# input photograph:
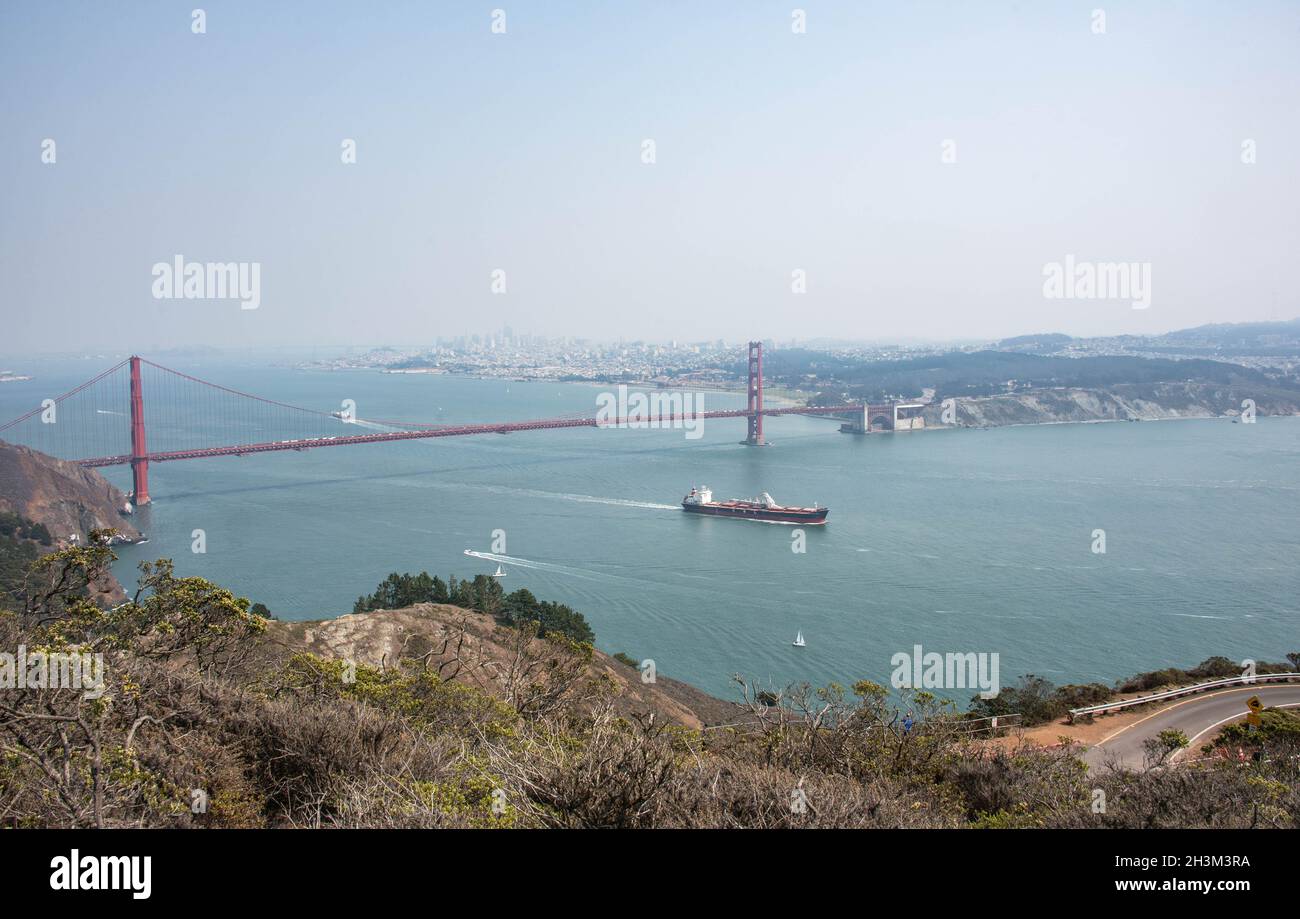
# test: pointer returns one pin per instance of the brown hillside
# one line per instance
(447, 633)
(67, 498)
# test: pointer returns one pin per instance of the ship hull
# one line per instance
(805, 516)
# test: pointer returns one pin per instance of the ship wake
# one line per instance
(535, 565)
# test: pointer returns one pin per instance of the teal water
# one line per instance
(954, 540)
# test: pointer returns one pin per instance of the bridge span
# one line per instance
(187, 408)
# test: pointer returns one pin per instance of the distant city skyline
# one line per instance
(482, 338)
(905, 174)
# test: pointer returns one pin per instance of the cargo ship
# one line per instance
(700, 501)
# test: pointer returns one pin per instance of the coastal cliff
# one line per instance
(1134, 402)
(67, 498)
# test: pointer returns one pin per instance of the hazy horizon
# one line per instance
(823, 152)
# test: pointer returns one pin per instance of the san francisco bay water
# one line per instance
(961, 540)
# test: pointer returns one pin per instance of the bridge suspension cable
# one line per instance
(139, 412)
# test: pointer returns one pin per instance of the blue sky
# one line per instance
(774, 152)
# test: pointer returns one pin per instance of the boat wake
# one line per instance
(529, 563)
(555, 495)
(593, 499)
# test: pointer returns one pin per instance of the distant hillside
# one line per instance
(985, 373)
(1122, 402)
(1235, 340)
(1048, 343)
(1225, 338)
(1241, 334)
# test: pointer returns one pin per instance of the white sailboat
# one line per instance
(798, 641)
(499, 573)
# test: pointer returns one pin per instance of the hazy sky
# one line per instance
(522, 151)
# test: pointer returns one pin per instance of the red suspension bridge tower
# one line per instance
(139, 453)
(755, 438)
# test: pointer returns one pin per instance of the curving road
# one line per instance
(1195, 716)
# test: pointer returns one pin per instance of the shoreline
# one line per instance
(789, 398)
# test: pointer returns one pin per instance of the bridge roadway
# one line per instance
(458, 431)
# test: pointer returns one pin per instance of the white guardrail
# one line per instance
(1107, 707)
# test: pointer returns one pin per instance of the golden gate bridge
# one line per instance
(138, 412)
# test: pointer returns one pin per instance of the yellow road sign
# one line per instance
(1254, 704)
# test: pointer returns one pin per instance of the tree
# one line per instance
(483, 593)
(1157, 750)
(1215, 668)
(544, 673)
(398, 591)
(521, 604)
(558, 617)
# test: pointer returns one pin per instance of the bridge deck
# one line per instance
(457, 431)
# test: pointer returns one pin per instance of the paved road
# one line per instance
(1195, 716)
